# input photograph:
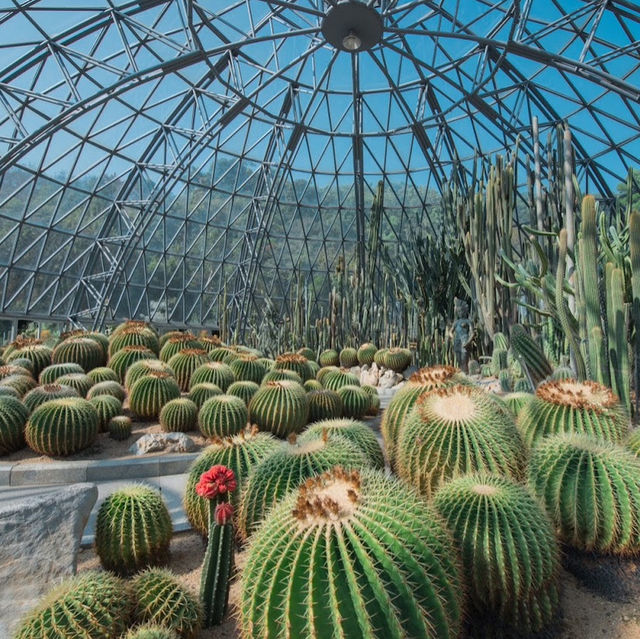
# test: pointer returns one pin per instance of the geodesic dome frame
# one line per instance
(171, 159)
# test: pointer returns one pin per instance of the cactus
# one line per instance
(485, 370)
(162, 340)
(177, 343)
(474, 367)
(161, 599)
(355, 401)
(134, 336)
(218, 354)
(500, 342)
(24, 363)
(280, 407)
(561, 372)
(324, 404)
(522, 386)
(22, 384)
(13, 417)
(41, 394)
(39, 354)
(348, 357)
(185, 362)
(267, 363)
(200, 393)
(142, 368)
(150, 631)
(97, 375)
(83, 351)
(244, 390)
(107, 388)
(632, 442)
(107, 407)
(329, 358)
(456, 430)
(151, 392)
(282, 376)
(119, 427)
(92, 604)
(241, 453)
(516, 401)
(568, 406)
(334, 380)
(324, 371)
(498, 361)
(248, 368)
(133, 530)
(216, 373)
(9, 370)
(81, 382)
(591, 489)
(62, 427)
(366, 354)
(8, 391)
(49, 374)
(618, 346)
(391, 567)
(308, 353)
(286, 469)
(504, 377)
(179, 416)
(356, 432)
(126, 357)
(510, 555)
(378, 358)
(531, 357)
(223, 416)
(396, 359)
(296, 363)
(312, 385)
(210, 343)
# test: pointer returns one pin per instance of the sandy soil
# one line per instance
(585, 615)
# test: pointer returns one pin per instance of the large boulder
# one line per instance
(40, 541)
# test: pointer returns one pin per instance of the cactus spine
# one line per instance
(355, 401)
(324, 404)
(185, 362)
(107, 388)
(13, 417)
(119, 427)
(280, 407)
(126, 357)
(179, 416)
(216, 373)
(97, 375)
(223, 416)
(83, 351)
(151, 392)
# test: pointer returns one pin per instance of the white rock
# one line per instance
(355, 370)
(369, 377)
(168, 442)
(389, 379)
(40, 541)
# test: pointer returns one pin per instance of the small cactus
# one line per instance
(281, 376)
(21, 383)
(49, 374)
(312, 385)
(366, 354)
(144, 367)
(355, 401)
(516, 401)
(119, 427)
(329, 358)
(98, 375)
(334, 380)
(39, 354)
(397, 359)
(185, 362)
(81, 382)
(223, 416)
(348, 357)
(13, 417)
(134, 336)
(294, 362)
(150, 393)
(280, 407)
(83, 351)
(41, 394)
(126, 357)
(151, 631)
(107, 407)
(175, 344)
(324, 404)
(248, 368)
(217, 373)
(307, 352)
(200, 393)
(378, 358)
(107, 388)
(244, 390)
(179, 416)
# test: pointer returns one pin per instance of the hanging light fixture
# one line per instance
(351, 42)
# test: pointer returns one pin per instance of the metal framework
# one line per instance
(171, 158)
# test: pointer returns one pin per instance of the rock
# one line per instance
(389, 379)
(167, 442)
(355, 370)
(40, 540)
(369, 376)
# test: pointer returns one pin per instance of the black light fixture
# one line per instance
(352, 26)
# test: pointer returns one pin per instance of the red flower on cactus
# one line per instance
(223, 513)
(218, 480)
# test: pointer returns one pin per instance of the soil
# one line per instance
(585, 614)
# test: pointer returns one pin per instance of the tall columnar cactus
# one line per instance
(324, 404)
(126, 357)
(531, 356)
(453, 431)
(634, 250)
(498, 361)
(177, 343)
(107, 407)
(107, 388)
(397, 359)
(217, 373)
(41, 394)
(392, 567)
(62, 427)
(356, 432)
(81, 382)
(185, 362)
(348, 357)
(144, 367)
(91, 604)
(119, 427)
(39, 354)
(161, 599)
(133, 530)
(248, 368)
(79, 350)
(618, 342)
(336, 379)
(509, 552)
(280, 407)
(329, 357)
(223, 416)
(355, 401)
(244, 390)
(151, 392)
(97, 375)
(568, 406)
(179, 416)
(591, 489)
(241, 453)
(286, 469)
(49, 374)
(216, 486)
(13, 417)
(366, 353)
(200, 393)
(134, 336)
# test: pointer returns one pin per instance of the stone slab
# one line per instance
(5, 474)
(51, 473)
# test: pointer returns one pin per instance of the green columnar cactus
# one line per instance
(223, 416)
(248, 368)
(517, 400)
(134, 336)
(39, 354)
(161, 599)
(83, 351)
(107, 388)
(498, 361)
(348, 357)
(107, 407)
(504, 377)
(119, 427)
(286, 469)
(13, 417)
(81, 382)
(312, 385)
(244, 390)
(151, 392)
(97, 375)
(294, 362)
(133, 530)
(531, 357)
(510, 555)
(282, 376)
(185, 362)
(175, 344)
(62, 427)
(217, 373)
(500, 342)
(474, 367)
(618, 346)
(241, 453)
(366, 353)
(355, 401)
(49, 374)
(334, 380)
(179, 416)
(91, 604)
(356, 432)
(324, 404)
(280, 407)
(591, 489)
(391, 566)
(151, 631)
(485, 370)
(144, 367)
(568, 406)
(329, 357)
(634, 250)
(396, 359)
(453, 431)
(126, 357)
(41, 394)
(200, 393)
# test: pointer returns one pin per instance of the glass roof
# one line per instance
(169, 159)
